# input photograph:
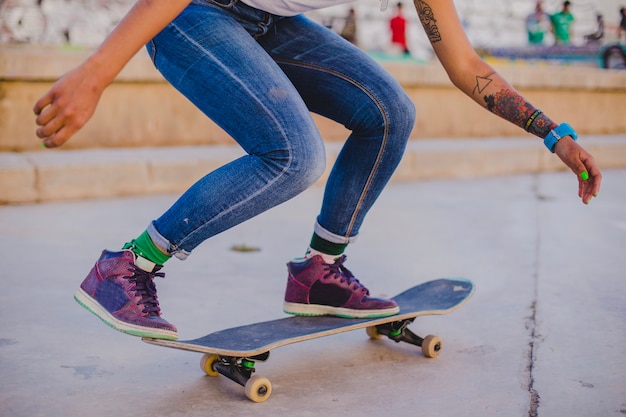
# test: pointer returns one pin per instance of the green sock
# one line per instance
(144, 246)
(324, 246)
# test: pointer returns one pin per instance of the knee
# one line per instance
(401, 115)
(300, 166)
(307, 167)
(390, 115)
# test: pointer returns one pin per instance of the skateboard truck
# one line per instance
(398, 331)
(239, 370)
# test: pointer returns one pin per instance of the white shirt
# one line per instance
(292, 7)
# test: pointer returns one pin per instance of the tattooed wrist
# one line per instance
(541, 125)
(513, 107)
(531, 119)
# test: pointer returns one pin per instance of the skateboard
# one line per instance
(233, 352)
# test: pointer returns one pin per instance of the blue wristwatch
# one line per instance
(557, 133)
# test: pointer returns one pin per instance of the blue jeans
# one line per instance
(258, 76)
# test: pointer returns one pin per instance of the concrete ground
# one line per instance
(544, 335)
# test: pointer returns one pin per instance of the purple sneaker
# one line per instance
(122, 294)
(315, 288)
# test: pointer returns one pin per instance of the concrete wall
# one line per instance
(140, 109)
(146, 138)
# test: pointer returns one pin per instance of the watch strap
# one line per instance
(552, 138)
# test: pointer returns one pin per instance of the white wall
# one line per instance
(489, 23)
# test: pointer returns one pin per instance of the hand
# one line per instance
(67, 106)
(72, 100)
(583, 165)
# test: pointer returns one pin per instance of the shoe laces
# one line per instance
(338, 270)
(144, 286)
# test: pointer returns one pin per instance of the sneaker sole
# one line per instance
(91, 305)
(313, 310)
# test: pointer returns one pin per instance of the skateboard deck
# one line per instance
(232, 352)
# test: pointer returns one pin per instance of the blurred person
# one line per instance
(349, 28)
(562, 25)
(537, 25)
(598, 34)
(622, 24)
(258, 69)
(397, 24)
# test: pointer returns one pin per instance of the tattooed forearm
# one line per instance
(428, 20)
(514, 108)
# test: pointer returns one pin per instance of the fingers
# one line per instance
(590, 188)
(55, 133)
(48, 121)
(51, 124)
(583, 165)
(45, 112)
(589, 178)
(55, 140)
(41, 104)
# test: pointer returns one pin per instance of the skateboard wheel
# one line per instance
(206, 364)
(258, 389)
(431, 346)
(372, 332)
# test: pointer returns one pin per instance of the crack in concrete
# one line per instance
(533, 410)
(534, 397)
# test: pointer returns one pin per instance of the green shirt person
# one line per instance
(562, 25)
(537, 24)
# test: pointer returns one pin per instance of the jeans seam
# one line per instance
(153, 52)
(385, 138)
(268, 184)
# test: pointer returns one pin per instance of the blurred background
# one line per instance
(42, 39)
(489, 23)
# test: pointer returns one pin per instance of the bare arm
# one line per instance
(470, 73)
(72, 100)
(485, 86)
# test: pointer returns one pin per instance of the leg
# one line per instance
(208, 54)
(339, 81)
(226, 74)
